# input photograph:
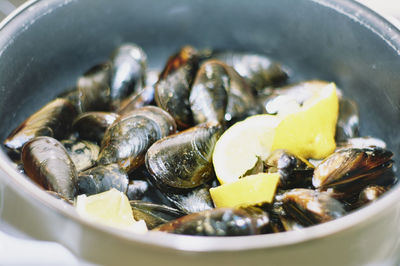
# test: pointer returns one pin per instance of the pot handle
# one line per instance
(6, 7)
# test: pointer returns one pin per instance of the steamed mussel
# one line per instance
(149, 137)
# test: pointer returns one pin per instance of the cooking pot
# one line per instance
(46, 45)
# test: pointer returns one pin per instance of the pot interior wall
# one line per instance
(45, 48)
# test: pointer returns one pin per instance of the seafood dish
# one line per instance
(214, 143)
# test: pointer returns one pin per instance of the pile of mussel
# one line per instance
(151, 134)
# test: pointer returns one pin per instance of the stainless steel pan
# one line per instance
(46, 44)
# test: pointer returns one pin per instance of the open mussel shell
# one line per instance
(209, 93)
(350, 170)
(309, 207)
(154, 214)
(214, 222)
(47, 163)
(102, 178)
(83, 153)
(294, 171)
(53, 120)
(183, 161)
(173, 87)
(94, 88)
(128, 138)
(258, 70)
(129, 64)
(92, 125)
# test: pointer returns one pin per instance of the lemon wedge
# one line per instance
(111, 208)
(309, 131)
(306, 130)
(240, 146)
(250, 190)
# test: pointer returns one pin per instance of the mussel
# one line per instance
(309, 207)
(209, 93)
(94, 88)
(294, 170)
(183, 161)
(128, 138)
(154, 214)
(102, 178)
(214, 222)
(348, 171)
(137, 189)
(142, 96)
(173, 87)
(129, 64)
(370, 194)
(47, 163)
(83, 153)
(92, 125)
(258, 70)
(194, 200)
(348, 125)
(53, 120)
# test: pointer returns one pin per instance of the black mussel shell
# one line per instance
(195, 200)
(102, 178)
(183, 161)
(209, 93)
(83, 153)
(92, 125)
(153, 214)
(258, 70)
(295, 172)
(173, 87)
(94, 89)
(137, 189)
(309, 207)
(214, 222)
(128, 138)
(350, 170)
(53, 120)
(129, 64)
(348, 125)
(47, 163)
